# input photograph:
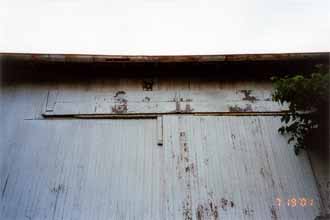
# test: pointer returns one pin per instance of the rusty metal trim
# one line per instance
(86, 58)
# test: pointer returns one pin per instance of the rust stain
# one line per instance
(236, 108)
(184, 148)
(89, 58)
(190, 168)
(119, 109)
(207, 211)
(248, 96)
(177, 106)
(248, 108)
(188, 108)
(233, 137)
(225, 203)
(121, 103)
(232, 204)
(184, 168)
(119, 94)
(199, 212)
(187, 213)
(273, 213)
(147, 84)
(180, 158)
(248, 212)
(214, 210)
(146, 99)
(58, 189)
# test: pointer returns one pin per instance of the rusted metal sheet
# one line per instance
(84, 58)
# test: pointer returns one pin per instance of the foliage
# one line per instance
(308, 100)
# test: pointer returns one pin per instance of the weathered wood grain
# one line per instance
(224, 167)
(238, 98)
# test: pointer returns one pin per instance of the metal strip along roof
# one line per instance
(85, 58)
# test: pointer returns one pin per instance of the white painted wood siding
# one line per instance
(209, 167)
(158, 98)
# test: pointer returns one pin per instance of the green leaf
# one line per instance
(308, 98)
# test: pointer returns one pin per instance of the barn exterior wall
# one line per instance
(215, 162)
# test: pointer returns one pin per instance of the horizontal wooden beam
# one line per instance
(156, 115)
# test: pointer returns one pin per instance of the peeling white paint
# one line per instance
(209, 167)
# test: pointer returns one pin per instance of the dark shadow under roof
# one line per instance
(235, 66)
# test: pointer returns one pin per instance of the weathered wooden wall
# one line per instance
(209, 166)
(157, 98)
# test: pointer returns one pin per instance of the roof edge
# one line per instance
(89, 58)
